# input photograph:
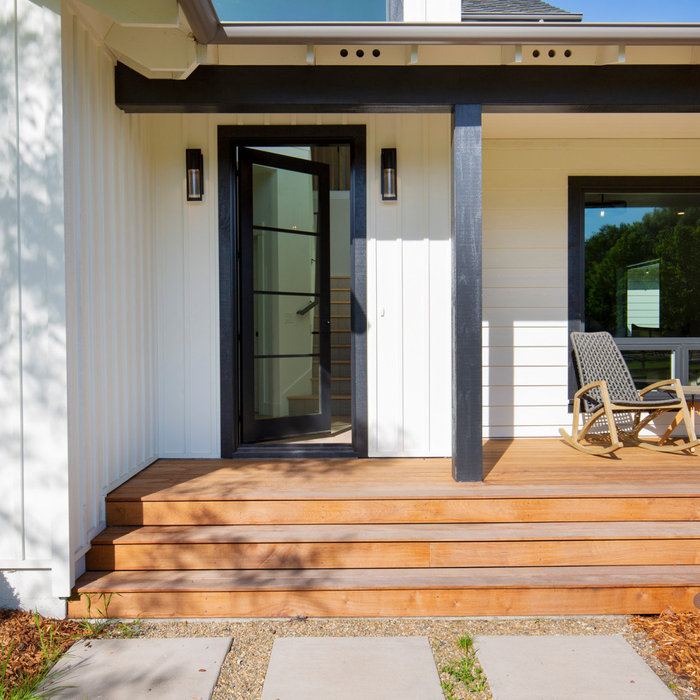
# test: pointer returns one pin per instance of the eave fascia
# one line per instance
(202, 18)
(520, 17)
(475, 33)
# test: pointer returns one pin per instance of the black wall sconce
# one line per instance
(195, 175)
(389, 190)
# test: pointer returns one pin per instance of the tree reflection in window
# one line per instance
(642, 264)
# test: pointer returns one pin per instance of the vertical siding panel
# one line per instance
(215, 399)
(168, 154)
(199, 301)
(72, 193)
(438, 201)
(99, 263)
(415, 233)
(82, 151)
(372, 356)
(389, 310)
(116, 448)
(11, 534)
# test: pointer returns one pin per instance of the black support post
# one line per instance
(466, 295)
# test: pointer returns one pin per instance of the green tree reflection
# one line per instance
(663, 235)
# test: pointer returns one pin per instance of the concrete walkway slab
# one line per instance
(558, 667)
(348, 668)
(115, 669)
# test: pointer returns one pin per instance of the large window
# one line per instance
(634, 270)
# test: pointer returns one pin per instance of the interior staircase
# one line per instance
(341, 381)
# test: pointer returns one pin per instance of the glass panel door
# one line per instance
(285, 295)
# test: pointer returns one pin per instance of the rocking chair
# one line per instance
(608, 391)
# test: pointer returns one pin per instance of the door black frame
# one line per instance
(229, 138)
(253, 429)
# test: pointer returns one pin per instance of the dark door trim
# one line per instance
(253, 429)
(230, 137)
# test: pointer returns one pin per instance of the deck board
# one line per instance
(385, 579)
(432, 532)
(512, 469)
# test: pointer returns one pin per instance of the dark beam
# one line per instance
(466, 295)
(390, 88)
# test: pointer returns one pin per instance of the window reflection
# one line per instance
(642, 264)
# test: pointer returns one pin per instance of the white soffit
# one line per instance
(138, 13)
(591, 126)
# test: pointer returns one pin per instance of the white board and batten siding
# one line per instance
(525, 262)
(34, 538)
(408, 286)
(110, 284)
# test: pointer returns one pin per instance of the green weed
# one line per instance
(465, 671)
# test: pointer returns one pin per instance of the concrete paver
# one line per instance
(115, 669)
(575, 668)
(348, 668)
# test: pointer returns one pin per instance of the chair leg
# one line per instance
(577, 435)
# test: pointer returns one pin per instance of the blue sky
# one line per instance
(633, 10)
(374, 10)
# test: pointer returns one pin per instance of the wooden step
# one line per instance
(392, 592)
(388, 546)
(203, 509)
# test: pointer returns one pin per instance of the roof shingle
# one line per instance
(511, 7)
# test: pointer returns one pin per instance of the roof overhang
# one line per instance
(475, 34)
(208, 29)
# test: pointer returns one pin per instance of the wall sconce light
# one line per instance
(195, 175)
(389, 191)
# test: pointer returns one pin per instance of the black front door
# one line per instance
(285, 295)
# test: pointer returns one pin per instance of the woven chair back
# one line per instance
(597, 358)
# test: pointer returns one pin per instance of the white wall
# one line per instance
(33, 452)
(432, 10)
(408, 286)
(525, 257)
(110, 293)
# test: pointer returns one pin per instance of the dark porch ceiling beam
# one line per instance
(673, 88)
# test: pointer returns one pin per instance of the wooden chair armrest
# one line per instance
(585, 389)
(673, 384)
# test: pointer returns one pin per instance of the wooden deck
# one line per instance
(550, 530)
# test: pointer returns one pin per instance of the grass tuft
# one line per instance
(466, 671)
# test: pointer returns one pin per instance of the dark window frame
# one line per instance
(578, 186)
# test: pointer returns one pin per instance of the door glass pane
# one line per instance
(694, 367)
(642, 251)
(278, 327)
(286, 386)
(648, 366)
(284, 262)
(284, 199)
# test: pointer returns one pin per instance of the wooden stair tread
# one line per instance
(389, 579)
(461, 532)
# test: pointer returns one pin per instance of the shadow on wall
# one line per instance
(9, 598)
(32, 282)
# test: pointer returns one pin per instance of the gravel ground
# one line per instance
(244, 670)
